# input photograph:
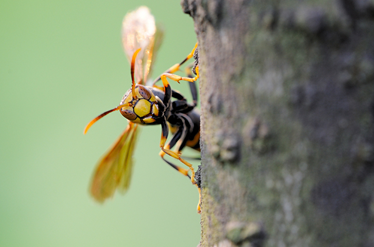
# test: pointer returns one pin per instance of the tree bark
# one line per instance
(287, 92)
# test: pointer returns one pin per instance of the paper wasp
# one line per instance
(147, 105)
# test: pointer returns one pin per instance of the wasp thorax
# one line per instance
(142, 108)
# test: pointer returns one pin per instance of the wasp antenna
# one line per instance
(97, 118)
(102, 115)
(132, 72)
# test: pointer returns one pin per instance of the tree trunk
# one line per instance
(287, 136)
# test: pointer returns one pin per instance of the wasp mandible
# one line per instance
(147, 105)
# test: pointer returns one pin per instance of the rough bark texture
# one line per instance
(287, 92)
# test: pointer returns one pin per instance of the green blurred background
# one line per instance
(61, 64)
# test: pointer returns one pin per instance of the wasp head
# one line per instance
(139, 104)
(140, 108)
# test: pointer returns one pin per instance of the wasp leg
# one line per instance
(178, 78)
(167, 89)
(170, 145)
(181, 144)
(177, 95)
(171, 153)
(180, 140)
(167, 92)
(179, 169)
(191, 158)
(181, 98)
(176, 67)
(187, 126)
(193, 92)
(199, 203)
(181, 106)
(180, 103)
(192, 85)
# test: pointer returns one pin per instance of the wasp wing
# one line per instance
(115, 168)
(139, 31)
(152, 51)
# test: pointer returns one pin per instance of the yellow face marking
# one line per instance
(142, 108)
(155, 109)
(137, 121)
(148, 120)
(127, 97)
(153, 98)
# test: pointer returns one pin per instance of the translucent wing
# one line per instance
(139, 31)
(115, 168)
(159, 36)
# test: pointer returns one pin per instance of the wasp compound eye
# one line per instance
(127, 113)
(144, 93)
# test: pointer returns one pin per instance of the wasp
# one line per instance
(147, 105)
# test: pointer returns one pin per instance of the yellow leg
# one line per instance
(176, 155)
(179, 169)
(198, 205)
(184, 172)
(176, 67)
(178, 78)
